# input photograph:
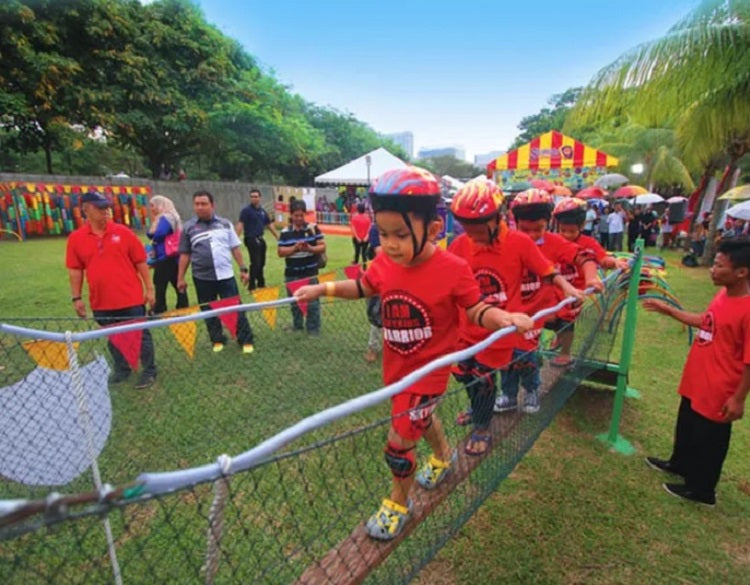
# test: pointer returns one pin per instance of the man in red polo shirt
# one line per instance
(113, 261)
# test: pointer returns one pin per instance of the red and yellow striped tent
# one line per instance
(552, 150)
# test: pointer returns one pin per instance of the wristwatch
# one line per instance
(243, 269)
(74, 299)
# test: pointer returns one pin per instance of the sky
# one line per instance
(452, 73)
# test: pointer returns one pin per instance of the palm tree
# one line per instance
(695, 79)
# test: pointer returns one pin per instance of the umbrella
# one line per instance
(648, 198)
(561, 191)
(611, 180)
(677, 199)
(592, 192)
(740, 211)
(543, 184)
(738, 193)
(629, 191)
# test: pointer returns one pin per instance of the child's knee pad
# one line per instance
(402, 461)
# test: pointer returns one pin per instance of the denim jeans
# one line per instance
(523, 370)
(313, 310)
(121, 365)
(209, 290)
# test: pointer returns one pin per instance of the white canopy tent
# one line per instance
(362, 170)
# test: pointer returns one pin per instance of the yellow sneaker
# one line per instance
(248, 348)
(434, 471)
(389, 521)
(218, 347)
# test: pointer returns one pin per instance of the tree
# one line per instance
(548, 118)
(450, 165)
(695, 79)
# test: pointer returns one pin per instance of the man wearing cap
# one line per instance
(113, 261)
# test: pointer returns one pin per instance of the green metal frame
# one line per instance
(613, 438)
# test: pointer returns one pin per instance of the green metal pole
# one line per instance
(619, 443)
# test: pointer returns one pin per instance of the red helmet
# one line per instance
(570, 210)
(532, 204)
(477, 201)
(406, 189)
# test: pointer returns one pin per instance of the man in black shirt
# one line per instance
(300, 244)
(253, 220)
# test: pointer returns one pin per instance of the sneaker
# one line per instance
(664, 465)
(248, 348)
(682, 491)
(434, 471)
(531, 403)
(218, 347)
(389, 521)
(505, 403)
(145, 382)
(118, 377)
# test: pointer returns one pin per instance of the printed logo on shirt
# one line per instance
(706, 331)
(533, 334)
(492, 287)
(530, 285)
(115, 238)
(406, 322)
(567, 271)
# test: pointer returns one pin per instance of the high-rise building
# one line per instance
(482, 160)
(454, 151)
(405, 140)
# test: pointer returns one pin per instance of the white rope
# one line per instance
(216, 519)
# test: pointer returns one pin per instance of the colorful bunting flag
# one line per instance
(229, 319)
(129, 344)
(353, 271)
(185, 333)
(263, 295)
(52, 355)
(293, 286)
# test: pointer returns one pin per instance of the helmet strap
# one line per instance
(417, 249)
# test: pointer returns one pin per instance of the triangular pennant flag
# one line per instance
(229, 319)
(353, 271)
(185, 333)
(327, 277)
(263, 295)
(49, 354)
(293, 286)
(129, 344)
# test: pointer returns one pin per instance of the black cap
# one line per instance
(97, 199)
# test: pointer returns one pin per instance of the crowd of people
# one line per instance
(424, 302)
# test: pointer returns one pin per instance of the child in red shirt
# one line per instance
(716, 377)
(532, 210)
(498, 258)
(423, 291)
(570, 215)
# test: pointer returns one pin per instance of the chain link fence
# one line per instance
(289, 511)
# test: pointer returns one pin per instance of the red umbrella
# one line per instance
(629, 191)
(543, 184)
(561, 191)
(592, 192)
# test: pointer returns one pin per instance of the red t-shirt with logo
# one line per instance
(360, 225)
(109, 264)
(720, 352)
(572, 272)
(498, 270)
(420, 307)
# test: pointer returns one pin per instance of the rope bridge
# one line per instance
(76, 507)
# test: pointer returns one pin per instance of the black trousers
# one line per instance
(209, 290)
(700, 447)
(165, 273)
(121, 365)
(359, 248)
(256, 248)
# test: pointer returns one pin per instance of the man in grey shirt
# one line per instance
(209, 242)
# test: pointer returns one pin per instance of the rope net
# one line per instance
(76, 507)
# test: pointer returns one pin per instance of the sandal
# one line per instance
(483, 438)
(464, 418)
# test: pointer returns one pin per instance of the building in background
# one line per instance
(482, 160)
(405, 140)
(454, 151)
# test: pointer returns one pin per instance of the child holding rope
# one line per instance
(715, 380)
(423, 290)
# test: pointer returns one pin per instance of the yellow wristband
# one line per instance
(330, 289)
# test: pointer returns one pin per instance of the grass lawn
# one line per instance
(571, 512)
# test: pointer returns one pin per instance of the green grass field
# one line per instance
(571, 512)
